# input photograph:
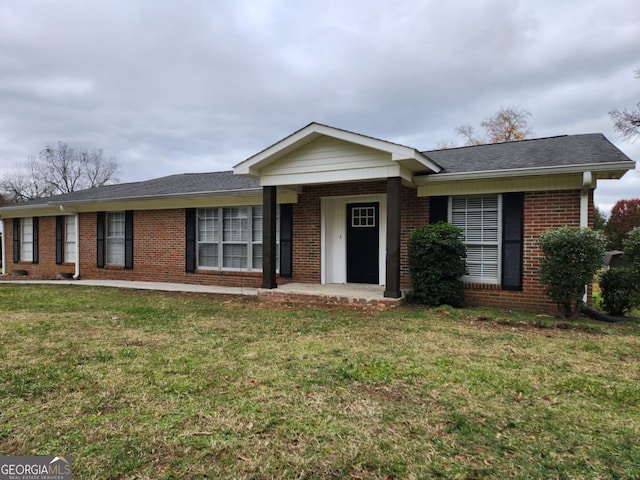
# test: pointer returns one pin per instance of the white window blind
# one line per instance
(26, 240)
(479, 218)
(115, 238)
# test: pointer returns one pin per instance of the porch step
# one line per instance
(364, 296)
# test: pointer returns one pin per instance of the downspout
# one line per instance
(76, 275)
(584, 211)
(4, 262)
(584, 199)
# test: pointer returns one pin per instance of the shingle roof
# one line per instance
(541, 152)
(181, 184)
(536, 153)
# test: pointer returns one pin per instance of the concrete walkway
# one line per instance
(304, 293)
(161, 286)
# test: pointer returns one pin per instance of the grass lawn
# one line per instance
(137, 385)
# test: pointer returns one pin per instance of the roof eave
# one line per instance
(617, 168)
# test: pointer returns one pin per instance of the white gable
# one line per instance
(322, 154)
(327, 159)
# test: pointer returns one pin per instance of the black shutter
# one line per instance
(100, 237)
(128, 239)
(36, 241)
(438, 209)
(512, 240)
(190, 239)
(286, 240)
(60, 239)
(16, 240)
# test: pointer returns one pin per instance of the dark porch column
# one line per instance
(269, 237)
(394, 212)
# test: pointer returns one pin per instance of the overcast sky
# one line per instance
(192, 85)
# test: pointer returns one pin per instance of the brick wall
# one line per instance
(542, 210)
(158, 253)
(159, 244)
(46, 268)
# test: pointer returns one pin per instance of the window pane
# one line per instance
(115, 251)
(208, 255)
(256, 232)
(208, 225)
(236, 224)
(257, 256)
(235, 256)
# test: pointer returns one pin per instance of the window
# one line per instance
(363, 217)
(115, 238)
(230, 238)
(208, 237)
(479, 218)
(69, 239)
(26, 240)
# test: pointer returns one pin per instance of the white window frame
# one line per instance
(115, 239)
(70, 250)
(482, 242)
(247, 234)
(26, 239)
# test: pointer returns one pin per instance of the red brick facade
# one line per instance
(159, 244)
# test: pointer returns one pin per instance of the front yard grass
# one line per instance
(137, 384)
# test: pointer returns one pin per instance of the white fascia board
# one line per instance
(66, 207)
(40, 210)
(399, 153)
(521, 172)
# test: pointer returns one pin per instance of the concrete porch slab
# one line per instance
(354, 294)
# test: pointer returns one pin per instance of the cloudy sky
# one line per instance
(194, 85)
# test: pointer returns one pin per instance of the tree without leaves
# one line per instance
(506, 125)
(627, 122)
(57, 170)
(625, 216)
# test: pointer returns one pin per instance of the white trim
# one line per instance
(527, 171)
(4, 250)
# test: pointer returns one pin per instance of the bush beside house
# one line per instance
(436, 262)
(571, 258)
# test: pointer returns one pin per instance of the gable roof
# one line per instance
(562, 154)
(540, 153)
(410, 157)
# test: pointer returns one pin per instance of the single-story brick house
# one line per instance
(323, 206)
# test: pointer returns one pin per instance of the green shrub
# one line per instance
(620, 294)
(621, 286)
(631, 246)
(571, 257)
(436, 263)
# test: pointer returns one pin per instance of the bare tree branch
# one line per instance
(507, 125)
(56, 170)
(627, 122)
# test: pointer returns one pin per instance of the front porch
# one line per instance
(354, 294)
